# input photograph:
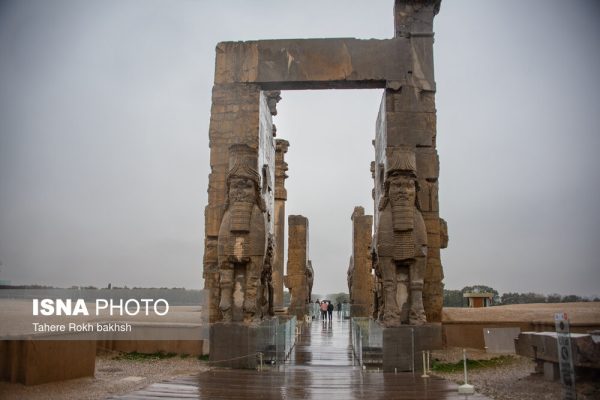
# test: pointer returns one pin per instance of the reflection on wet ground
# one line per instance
(321, 367)
(324, 343)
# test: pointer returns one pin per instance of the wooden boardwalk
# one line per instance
(321, 367)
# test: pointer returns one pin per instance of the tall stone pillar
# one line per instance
(296, 278)
(240, 115)
(360, 279)
(415, 20)
(226, 115)
(281, 147)
(407, 122)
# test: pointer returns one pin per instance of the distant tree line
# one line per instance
(339, 297)
(335, 298)
(525, 298)
(455, 298)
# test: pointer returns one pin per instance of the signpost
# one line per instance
(565, 360)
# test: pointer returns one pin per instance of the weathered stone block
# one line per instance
(543, 346)
(410, 99)
(294, 281)
(414, 16)
(432, 222)
(410, 129)
(212, 217)
(314, 63)
(210, 250)
(428, 196)
(434, 270)
(414, 20)
(428, 163)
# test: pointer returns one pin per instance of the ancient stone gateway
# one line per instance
(244, 220)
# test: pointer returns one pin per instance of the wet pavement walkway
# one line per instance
(320, 367)
(323, 343)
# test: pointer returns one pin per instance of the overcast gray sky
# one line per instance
(104, 114)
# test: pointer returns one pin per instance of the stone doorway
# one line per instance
(245, 215)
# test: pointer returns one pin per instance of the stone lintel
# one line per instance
(315, 63)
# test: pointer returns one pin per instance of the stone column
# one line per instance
(415, 20)
(281, 147)
(361, 295)
(296, 279)
(239, 115)
(407, 118)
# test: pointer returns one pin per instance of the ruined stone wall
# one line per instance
(361, 294)
(296, 278)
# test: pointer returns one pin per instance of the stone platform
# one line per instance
(542, 347)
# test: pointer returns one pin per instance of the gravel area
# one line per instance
(512, 380)
(113, 377)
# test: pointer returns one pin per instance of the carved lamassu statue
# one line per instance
(401, 242)
(243, 241)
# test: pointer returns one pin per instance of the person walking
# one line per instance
(338, 307)
(323, 310)
(330, 311)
